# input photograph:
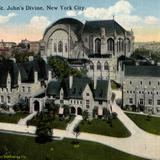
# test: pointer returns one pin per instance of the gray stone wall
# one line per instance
(142, 92)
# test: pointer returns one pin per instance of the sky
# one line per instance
(142, 16)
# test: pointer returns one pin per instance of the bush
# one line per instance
(114, 115)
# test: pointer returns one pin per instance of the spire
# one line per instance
(113, 17)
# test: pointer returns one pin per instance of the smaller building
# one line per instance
(8, 45)
(81, 94)
(22, 80)
(141, 88)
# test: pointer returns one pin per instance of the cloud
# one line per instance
(32, 30)
(151, 20)
(39, 22)
(122, 7)
(5, 19)
(121, 10)
(71, 13)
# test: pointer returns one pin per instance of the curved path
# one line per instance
(140, 143)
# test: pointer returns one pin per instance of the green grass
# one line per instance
(99, 126)
(152, 125)
(11, 118)
(62, 150)
(53, 122)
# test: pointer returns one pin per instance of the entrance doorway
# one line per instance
(36, 106)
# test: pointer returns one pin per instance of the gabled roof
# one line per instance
(101, 91)
(142, 71)
(53, 88)
(111, 26)
(78, 86)
(26, 71)
(28, 68)
(11, 68)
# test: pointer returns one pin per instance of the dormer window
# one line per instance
(29, 89)
(87, 94)
(23, 89)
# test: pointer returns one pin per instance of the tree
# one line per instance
(85, 115)
(76, 132)
(62, 68)
(148, 118)
(66, 110)
(4, 107)
(106, 113)
(43, 132)
(21, 55)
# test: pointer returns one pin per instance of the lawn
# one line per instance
(12, 118)
(54, 122)
(60, 150)
(152, 125)
(99, 126)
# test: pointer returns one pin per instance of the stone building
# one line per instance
(22, 80)
(8, 45)
(141, 88)
(81, 94)
(101, 42)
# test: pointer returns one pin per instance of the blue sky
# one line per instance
(143, 16)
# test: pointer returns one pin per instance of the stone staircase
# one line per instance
(24, 120)
(74, 123)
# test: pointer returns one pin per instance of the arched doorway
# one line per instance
(73, 110)
(36, 106)
(79, 111)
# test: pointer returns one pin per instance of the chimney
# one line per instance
(95, 82)
(35, 77)
(70, 81)
(30, 58)
(49, 75)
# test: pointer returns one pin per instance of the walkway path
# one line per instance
(140, 143)
(24, 120)
(74, 123)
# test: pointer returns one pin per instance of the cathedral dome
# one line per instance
(75, 25)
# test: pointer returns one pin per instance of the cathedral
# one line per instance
(100, 43)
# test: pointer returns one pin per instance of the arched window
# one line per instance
(66, 47)
(55, 47)
(60, 46)
(110, 44)
(98, 66)
(97, 46)
(128, 45)
(120, 45)
(2, 99)
(9, 99)
(106, 67)
(91, 66)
